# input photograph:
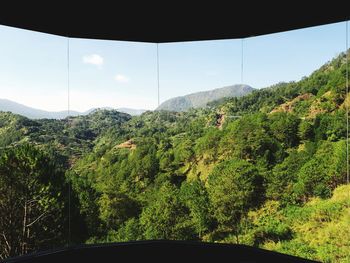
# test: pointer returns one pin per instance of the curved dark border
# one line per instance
(145, 21)
(158, 251)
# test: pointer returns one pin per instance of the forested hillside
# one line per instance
(267, 169)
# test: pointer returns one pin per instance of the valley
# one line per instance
(273, 178)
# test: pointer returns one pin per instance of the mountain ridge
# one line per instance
(33, 113)
(202, 98)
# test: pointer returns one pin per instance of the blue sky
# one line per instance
(33, 66)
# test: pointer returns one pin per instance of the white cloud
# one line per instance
(93, 59)
(121, 78)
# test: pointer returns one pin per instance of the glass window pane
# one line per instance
(247, 146)
(33, 98)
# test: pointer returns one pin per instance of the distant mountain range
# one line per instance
(183, 103)
(201, 99)
(32, 113)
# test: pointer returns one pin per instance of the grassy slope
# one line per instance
(321, 229)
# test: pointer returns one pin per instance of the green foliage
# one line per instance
(208, 144)
(129, 231)
(257, 179)
(249, 138)
(144, 162)
(305, 130)
(281, 180)
(183, 152)
(116, 208)
(284, 128)
(235, 186)
(321, 174)
(269, 224)
(195, 196)
(319, 229)
(166, 218)
(331, 127)
(32, 201)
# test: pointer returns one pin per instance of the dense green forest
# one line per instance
(267, 170)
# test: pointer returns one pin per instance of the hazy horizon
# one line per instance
(72, 110)
(120, 74)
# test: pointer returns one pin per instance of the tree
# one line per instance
(284, 127)
(248, 138)
(131, 230)
(116, 208)
(305, 130)
(234, 186)
(324, 172)
(283, 176)
(208, 143)
(195, 197)
(166, 217)
(183, 152)
(144, 163)
(269, 223)
(32, 202)
(331, 127)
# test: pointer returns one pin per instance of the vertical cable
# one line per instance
(242, 60)
(241, 153)
(68, 104)
(68, 78)
(347, 102)
(158, 73)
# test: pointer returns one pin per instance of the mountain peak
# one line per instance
(202, 98)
